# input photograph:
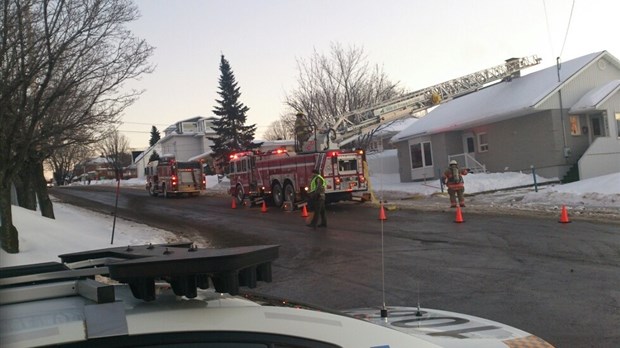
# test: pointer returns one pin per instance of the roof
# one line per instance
(200, 156)
(395, 126)
(507, 99)
(593, 99)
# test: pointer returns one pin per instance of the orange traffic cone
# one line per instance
(264, 208)
(304, 212)
(459, 215)
(564, 216)
(234, 204)
(382, 213)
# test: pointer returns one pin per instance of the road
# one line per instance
(558, 281)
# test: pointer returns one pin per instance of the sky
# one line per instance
(416, 43)
(42, 239)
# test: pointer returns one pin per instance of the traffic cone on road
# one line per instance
(459, 215)
(264, 208)
(234, 204)
(564, 216)
(382, 213)
(304, 212)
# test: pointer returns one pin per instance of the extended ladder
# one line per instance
(358, 121)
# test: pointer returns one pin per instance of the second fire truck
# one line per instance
(170, 177)
(281, 176)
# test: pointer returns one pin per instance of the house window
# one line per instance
(421, 155)
(483, 142)
(575, 128)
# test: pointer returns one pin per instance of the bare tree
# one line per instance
(334, 84)
(281, 129)
(63, 160)
(62, 67)
(115, 149)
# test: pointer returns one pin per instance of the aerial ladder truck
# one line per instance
(282, 177)
(336, 134)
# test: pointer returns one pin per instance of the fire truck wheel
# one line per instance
(239, 194)
(152, 191)
(277, 195)
(289, 192)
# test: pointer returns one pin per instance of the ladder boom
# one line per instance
(354, 122)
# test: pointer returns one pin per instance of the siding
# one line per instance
(587, 79)
(517, 144)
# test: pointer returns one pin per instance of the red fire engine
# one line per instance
(169, 177)
(282, 176)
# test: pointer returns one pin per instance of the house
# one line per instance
(187, 140)
(552, 120)
(99, 168)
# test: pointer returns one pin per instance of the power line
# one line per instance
(146, 124)
(130, 131)
(567, 27)
(548, 29)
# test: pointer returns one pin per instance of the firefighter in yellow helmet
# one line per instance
(453, 179)
(302, 131)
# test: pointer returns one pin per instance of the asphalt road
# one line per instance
(558, 281)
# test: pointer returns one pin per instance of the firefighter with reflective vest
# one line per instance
(317, 197)
(453, 179)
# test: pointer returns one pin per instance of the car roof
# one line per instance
(169, 294)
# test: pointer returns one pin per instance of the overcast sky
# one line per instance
(418, 43)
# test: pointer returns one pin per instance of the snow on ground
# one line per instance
(42, 239)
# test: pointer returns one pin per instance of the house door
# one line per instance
(468, 144)
(596, 124)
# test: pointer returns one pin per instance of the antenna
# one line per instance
(384, 312)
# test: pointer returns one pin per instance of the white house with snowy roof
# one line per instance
(564, 117)
(187, 140)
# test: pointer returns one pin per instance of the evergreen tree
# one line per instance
(154, 136)
(232, 133)
(154, 156)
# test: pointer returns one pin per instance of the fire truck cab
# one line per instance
(280, 176)
(169, 177)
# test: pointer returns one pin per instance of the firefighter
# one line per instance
(317, 196)
(302, 133)
(453, 179)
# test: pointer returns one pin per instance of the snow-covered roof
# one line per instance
(591, 100)
(396, 126)
(201, 156)
(507, 99)
(283, 142)
(99, 160)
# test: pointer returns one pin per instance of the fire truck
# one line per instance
(280, 176)
(283, 176)
(170, 177)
